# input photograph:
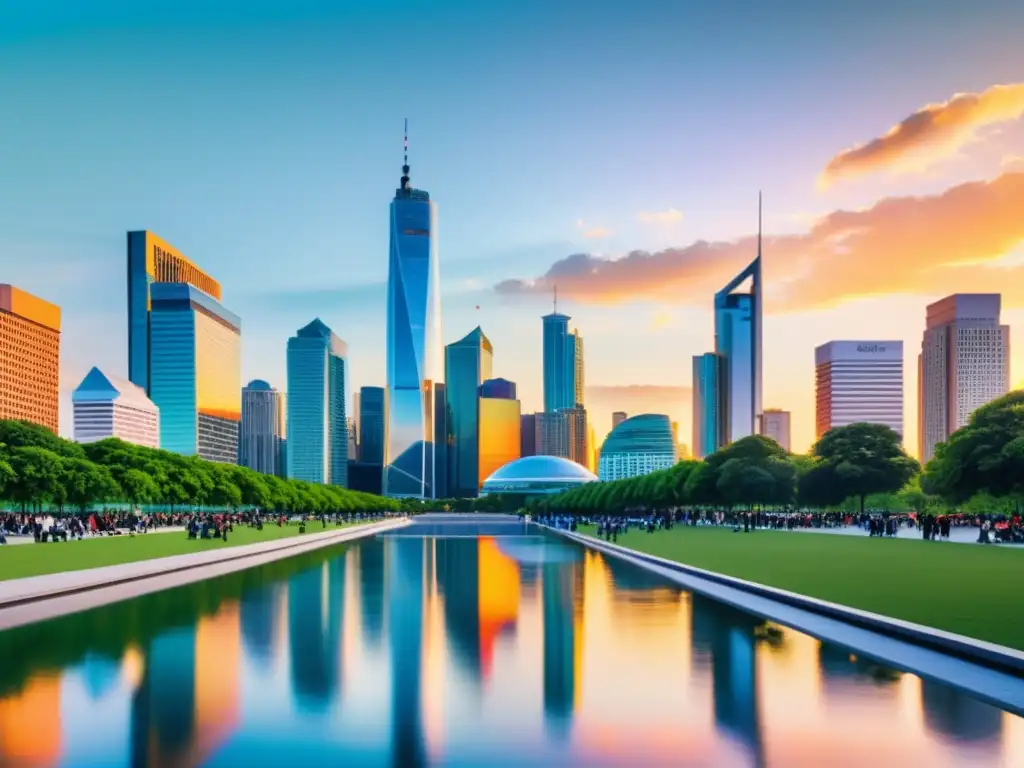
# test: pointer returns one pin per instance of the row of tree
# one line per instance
(979, 469)
(41, 470)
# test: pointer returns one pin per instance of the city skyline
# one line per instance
(643, 184)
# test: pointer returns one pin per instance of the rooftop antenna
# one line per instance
(759, 224)
(405, 157)
(556, 299)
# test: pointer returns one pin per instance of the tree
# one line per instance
(86, 483)
(857, 460)
(37, 473)
(138, 487)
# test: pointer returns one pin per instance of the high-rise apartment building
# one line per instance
(964, 364)
(261, 444)
(468, 363)
(708, 421)
(153, 260)
(528, 434)
(29, 358)
(775, 423)
(858, 381)
(738, 344)
(499, 422)
(618, 417)
(372, 417)
(414, 344)
(578, 375)
(195, 372)
(107, 406)
(317, 422)
(563, 433)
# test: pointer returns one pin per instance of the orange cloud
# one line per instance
(929, 135)
(661, 217)
(597, 233)
(917, 245)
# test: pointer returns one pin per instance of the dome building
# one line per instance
(638, 446)
(537, 476)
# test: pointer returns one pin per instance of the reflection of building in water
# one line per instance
(498, 592)
(950, 713)
(458, 563)
(371, 590)
(259, 612)
(315, 605)
(559, 591)
(30, 724)
(840, 668)
(727, 635)
(405, 634)
(186, 704)
(100, 674)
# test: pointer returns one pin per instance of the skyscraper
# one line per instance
(576, 355)
(559, 362)
(372, 416)
(317, 423)
(195, 372)
(154, 260)
(708, 423)
(29, 358)
(499, 417)
(467, 365)
(528, 434)
(775, 423)
(738, 343)
(413, 343)
(106, 406)
(964, 364)
(563, 433)
(858, 381)
(617, 418)
(261, 446)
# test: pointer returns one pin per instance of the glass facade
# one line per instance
(638, 446)
(372, 414)
(317, 424)
(153, 260)
(502, 388)
(499, 436)
(414, 345)
(707, 404)
(537, 476)
(559, 363)
(738, 343)
(261, 445)
(195, 372)
(467, 365)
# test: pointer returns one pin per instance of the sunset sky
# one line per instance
(614, 148)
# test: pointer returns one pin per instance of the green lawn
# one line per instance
(18, 561)
(976, 591)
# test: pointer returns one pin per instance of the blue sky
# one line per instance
(264, 141)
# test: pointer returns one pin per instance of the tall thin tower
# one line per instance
(414, 342)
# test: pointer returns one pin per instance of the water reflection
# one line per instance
(420, 651)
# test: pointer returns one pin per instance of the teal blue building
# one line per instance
(467, 364)
(709, 428)
(317, 386)
(638, 446)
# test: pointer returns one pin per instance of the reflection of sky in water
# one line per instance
(469, 652)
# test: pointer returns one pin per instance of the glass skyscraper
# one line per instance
(154, 260)
(317, 423)
(261, 446)
(195, 372)
(414, 344)
(559, 363)
(499, 424)
(372, 413)
(738, 343)
(707, 404)
(467, 365)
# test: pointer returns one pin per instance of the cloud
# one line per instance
(660, 217)
(915, 245)
(929, 135)
(1012, 162)
(597, 233)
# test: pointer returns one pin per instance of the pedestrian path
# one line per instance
(27, 539)
(957, 535)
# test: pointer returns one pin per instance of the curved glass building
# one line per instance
(537, 476)
(414, 345)
(638, 446)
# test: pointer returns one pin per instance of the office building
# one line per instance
(195, 372)
(562, 433)
(618, 417)
(372, 417)
(414, 344)
(708, 423)
(858, 381)
(638, 446)
(467, 364)
(442, 441)
(528, 434)
(775, 424)
(317, 422)
(499, 438)
(107, 406)
(29, 358)
(261, 445)
(738, 344)
(964, 364)
(152, 260)
(576, 356)
(559, 363)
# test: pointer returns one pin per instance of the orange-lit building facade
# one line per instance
(153, 260)
(499, 435)
(29, 358)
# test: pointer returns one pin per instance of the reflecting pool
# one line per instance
(466, 651)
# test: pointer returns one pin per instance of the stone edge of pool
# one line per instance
(40, 598)
(976, 651)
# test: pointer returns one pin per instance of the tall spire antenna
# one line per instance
(759, 224)
(556, 299)
(405, 157)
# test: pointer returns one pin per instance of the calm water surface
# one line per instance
(467, 651)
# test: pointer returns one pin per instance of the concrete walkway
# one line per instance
(964, 535)
(27, 539)
(38, 598)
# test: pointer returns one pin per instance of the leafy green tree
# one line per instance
(138, 487)
(86, 483)
(37, 472)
